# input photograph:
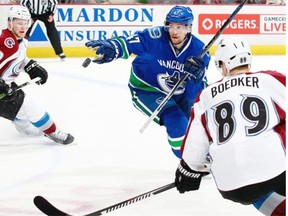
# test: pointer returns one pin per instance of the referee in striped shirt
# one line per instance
(44, 10)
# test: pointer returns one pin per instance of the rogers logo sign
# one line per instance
(241, 24)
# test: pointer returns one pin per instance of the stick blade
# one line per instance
(47, 208)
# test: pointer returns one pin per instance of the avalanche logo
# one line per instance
(16, 69)
(9, 42)
(37, 34)
(167, 82)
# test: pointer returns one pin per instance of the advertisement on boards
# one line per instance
(79, 24)
(250, 24)
(264, 28)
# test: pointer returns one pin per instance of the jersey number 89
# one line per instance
(253, 109)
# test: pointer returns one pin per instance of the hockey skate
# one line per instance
(26, 127)
(62, 56)
(59, 136)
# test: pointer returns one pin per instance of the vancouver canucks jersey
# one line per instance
(158, 65)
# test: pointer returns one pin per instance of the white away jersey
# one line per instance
(243, 118)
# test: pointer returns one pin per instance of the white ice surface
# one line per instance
(112, 161)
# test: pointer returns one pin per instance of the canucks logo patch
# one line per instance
(167, 82)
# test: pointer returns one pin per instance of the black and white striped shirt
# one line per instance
(40, 6)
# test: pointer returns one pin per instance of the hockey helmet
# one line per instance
(179, 14)
(234, 51)
(19, 12)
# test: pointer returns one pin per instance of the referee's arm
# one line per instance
(25, 3)
(35, 6)
(53, 6)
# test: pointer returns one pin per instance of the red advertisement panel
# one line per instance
(241, 24)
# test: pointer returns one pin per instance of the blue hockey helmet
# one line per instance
(179, 14)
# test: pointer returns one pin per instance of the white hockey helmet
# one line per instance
(19, 12)
(234, 51)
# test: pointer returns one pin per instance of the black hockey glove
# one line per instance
(35, 70)
(195, 67)
(106, 50)
(187, 179)
(4, 88)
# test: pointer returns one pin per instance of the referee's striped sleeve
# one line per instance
(24, 3)
(53, 6)
(39, 7)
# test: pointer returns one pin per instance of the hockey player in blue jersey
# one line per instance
(163, 55)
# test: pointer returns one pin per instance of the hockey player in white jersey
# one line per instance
(240, 121)
(27, 115)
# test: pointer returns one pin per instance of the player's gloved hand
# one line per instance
(187, 179)
(35, 70)
(106, 50)
(195, 67)
(4, 88)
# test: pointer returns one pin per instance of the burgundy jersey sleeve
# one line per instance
(8, 47)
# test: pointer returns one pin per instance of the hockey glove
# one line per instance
(106, 50)
(187, 179)
(4, 88)
(35, 70)
(195, 67)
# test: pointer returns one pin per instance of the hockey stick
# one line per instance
(180, 81)
(13, 90)
(47, 208)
